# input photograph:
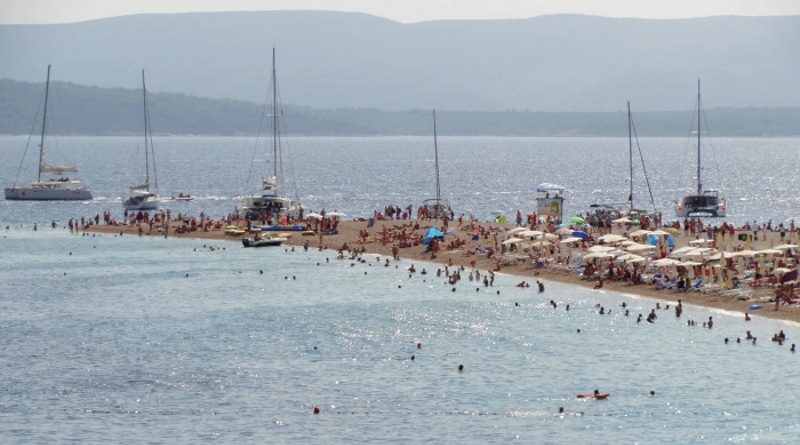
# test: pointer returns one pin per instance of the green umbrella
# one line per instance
(576, 220)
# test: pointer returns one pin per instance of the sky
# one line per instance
(404, 11)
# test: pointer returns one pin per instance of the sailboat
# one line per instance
(140, 197)
(633, 211)
(437, 207)
(59, 188)
(268, 199)
(616, 210)
(704, 202)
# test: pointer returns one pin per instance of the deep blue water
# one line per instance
(108, 339)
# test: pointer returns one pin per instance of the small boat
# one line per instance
(592, 395)
(140, 196)
(265, 239)
(704, 202)
(182, 197)
(59, 188)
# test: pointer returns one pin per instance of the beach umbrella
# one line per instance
(786, 246)
(335, 213)
(779, 271)
(745, 253)
(622, 220)
(681, 250)
(512, 241)
(580, 234)
(638, 247)
(571, 239)
(577, 220)
(699, 241)
(431, 234)
(672, 231)
(314, 215)
(640, 233)
(660, 233)
(666, 262)
(769, 252)
(601, 249)
(529, 233)
(612, 238)
(564, 231)
(516, 230)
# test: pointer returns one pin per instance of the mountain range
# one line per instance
(335, 60)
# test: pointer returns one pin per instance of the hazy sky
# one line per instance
(62, 11)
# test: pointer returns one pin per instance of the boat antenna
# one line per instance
(699, 182)
(44, 120)
(436, 160)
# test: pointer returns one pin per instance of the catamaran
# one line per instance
(59, 188)
(268, 199)
(704, 202)
(140, 196)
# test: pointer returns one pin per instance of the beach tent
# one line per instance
(432, 233)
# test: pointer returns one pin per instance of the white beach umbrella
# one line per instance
(516, 230)
(666, 262)
(699, 241)
(529, 233)
(681, 250)
(622, 220)
(640, 232)
(571, 239)
(600, 249)
(639, 247)
(660, 233)
(314, 215)
(745, 253)
(612, 238)
(769, 252)
(787, 246)
(334, 213)
(512, 241)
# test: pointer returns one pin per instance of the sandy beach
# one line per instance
(460, 248)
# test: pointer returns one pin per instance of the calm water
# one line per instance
(106, 339)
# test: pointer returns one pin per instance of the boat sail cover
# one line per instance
(47, 168)
(141, 187)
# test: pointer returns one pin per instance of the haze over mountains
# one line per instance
(329, 60)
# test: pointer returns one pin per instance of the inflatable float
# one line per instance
(591, 395)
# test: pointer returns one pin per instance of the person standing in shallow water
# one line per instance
(541, 285)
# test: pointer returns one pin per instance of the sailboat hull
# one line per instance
(701, 205)
(142, 202)
(48, 191)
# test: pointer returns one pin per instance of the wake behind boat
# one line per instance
(140, 196)
(704, 202)
(59, 188)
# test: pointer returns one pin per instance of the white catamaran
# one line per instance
(141, 197)
(704, 202)
(59, 188)
(268, 199)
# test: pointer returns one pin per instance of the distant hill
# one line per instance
(82, 110)
(329, 60)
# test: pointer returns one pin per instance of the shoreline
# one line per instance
(350, 236)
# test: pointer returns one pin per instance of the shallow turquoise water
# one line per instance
(115, 343)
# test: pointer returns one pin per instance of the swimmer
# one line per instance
(746, 316)
(460, 368)
(749, 336)
(710, 322)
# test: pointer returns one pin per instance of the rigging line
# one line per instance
(644, 169)
(258, 136)
(282, 123)
(152, 148)
(689, 148)
(30, 136)
(708, 140)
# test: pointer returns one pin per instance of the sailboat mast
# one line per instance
(274, 118)
(699, 182)
(436, 159)
(44, 120)
(630, 156)
(146, 144)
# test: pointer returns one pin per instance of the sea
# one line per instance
(120, 339)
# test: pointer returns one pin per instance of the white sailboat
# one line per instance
(704, 202)
(268, 200)
(59, 188)
(437, 207)
(140, 196)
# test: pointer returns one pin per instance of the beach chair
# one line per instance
(696, 286)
